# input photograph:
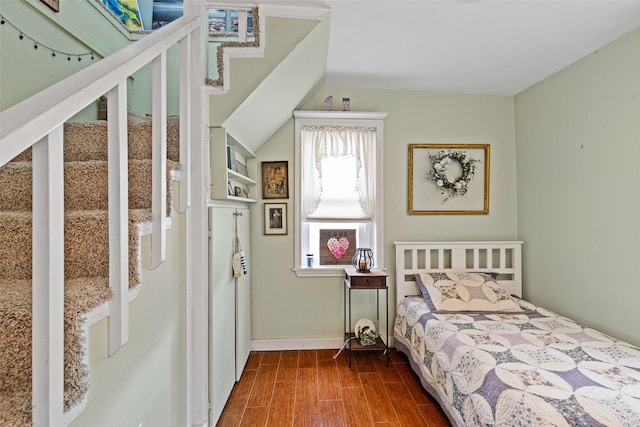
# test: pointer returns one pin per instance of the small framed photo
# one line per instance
(275, 180)
(275, 218)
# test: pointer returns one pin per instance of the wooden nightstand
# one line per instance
(374, 280)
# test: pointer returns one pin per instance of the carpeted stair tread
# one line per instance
(86, 264)
(85, 141)
(81, 296)
(86, 244)
(85, 185)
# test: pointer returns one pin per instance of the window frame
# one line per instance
(338, 118)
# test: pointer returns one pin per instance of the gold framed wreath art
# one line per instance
(449, 179)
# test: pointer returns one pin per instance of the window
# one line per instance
(338, 189)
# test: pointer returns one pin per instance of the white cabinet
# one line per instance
(229, 304)
(233, 168)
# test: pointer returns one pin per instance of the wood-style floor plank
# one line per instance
(263, 386)
(288, 369)
(328, 384)
(281, 411)
(311, 388)
(379, 405)
(307, 391)
(254, 417)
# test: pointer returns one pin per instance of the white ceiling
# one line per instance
(466, 46)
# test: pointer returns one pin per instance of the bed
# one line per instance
(492, 358)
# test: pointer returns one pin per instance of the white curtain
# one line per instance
(320, 142)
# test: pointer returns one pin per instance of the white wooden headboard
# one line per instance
(503, 258)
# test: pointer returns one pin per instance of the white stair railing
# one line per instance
(38, 122)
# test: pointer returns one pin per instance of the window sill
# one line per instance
(319, 271)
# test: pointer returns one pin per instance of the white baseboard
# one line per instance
(297, 344)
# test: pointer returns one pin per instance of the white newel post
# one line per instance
(48, 280)
(197, 227)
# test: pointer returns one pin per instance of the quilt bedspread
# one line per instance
(532, 368)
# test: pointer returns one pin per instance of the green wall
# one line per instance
(285, 306)
(578, 147)
(144, 382)
(81, 26)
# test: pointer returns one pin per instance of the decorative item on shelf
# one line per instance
(327, 104)
(346, 104)
(309, 260)
(365, 331)
(241, 164)
(363, 260)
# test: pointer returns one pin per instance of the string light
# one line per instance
(37, 44)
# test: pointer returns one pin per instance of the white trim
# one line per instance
(293, 12)
(297, 344)
(343, 118)
(273, 10)
(241, 52)
(197, 227)
(318, 272)
(334, 115)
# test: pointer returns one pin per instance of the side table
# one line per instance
(373, 280)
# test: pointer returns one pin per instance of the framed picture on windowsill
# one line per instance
(448, 179)
(275, 180)
(275, 218)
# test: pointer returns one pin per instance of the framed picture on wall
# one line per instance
(275, 180)
(275, 218)
(448, 179)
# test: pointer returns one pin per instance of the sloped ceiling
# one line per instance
(464, 46)
(460, 46)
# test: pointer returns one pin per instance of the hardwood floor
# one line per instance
(310, 388)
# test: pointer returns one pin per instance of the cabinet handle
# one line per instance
(367, 282)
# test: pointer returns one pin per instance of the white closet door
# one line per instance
(229, 306)
(243, 298)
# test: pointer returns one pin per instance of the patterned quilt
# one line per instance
(533, 368)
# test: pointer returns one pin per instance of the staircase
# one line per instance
(86, 243)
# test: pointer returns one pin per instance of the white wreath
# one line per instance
(451, 186)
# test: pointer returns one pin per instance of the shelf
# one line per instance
(354, 344)
(240, 199)
(233, 175)
(225, 181)
(374, 280)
